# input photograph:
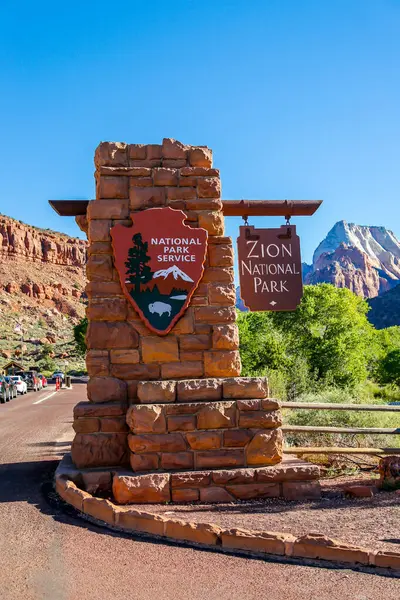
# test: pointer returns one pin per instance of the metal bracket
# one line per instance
(288, 234)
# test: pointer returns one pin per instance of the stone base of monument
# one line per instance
(207, 440)
(292, 479)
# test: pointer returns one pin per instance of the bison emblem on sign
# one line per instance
(160, 262)
(160, 308)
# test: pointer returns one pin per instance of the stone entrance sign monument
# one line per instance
(168, 417)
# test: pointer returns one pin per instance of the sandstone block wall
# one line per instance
(176, 402)
(122, 351)
(199, 435)
(204, 342)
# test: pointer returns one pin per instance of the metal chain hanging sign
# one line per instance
(270, 268)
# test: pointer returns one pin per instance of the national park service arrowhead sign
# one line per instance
(160, 262)
(270, 268)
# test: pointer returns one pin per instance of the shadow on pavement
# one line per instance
(49, 444)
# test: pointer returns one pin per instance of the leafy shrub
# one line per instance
(388, 370)
(79, 336)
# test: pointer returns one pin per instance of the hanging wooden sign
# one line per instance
(160, 262)
(270, 268)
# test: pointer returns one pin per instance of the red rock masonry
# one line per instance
(292, 479)
(204, 342)
(292, 483)
(201, 435)
(102, 433)
(127, 364)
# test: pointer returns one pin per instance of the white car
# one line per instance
(22, 388)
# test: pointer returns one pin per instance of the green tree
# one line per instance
(47, 364)
(138, 270)
(261, 345)
(47, 349)
(389, 368)
(384, 341)
(263, 351)
(80, 335)
(331, 331)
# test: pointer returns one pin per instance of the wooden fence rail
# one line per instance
(334, 406)
(338, 450)
(341, 430)
(328, 429)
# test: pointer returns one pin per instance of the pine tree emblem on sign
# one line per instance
(160, 262)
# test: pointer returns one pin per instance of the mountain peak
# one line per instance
(175, 271)
(375, 241)
(363, 258)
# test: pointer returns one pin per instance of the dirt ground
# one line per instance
(370, 522)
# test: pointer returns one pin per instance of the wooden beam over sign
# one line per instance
(69, 208)
(270, 208)
(230, 208)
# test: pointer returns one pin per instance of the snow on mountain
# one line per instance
(175, 271)
(378, 243)
(362, 258)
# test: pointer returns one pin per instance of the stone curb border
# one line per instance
(207, 535)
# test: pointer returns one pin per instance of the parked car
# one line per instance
(43, 380)
(12, 386)
(4, 390)
(59, 374)
(22, 388)
(32, 380)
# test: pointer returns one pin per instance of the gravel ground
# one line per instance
(370, 522)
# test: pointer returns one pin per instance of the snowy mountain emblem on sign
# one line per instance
(160, 262)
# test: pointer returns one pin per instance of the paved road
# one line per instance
(48, 554)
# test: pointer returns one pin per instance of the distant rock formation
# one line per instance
(364, 259)
(42, 286)
(18, 240)
(42, 264)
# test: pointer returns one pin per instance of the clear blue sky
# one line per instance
(297, 98)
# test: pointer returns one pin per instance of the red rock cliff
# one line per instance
(42, 265)
(31, 243)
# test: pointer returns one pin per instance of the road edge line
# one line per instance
(45, 398)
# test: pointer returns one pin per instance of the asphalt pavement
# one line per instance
(47, 552)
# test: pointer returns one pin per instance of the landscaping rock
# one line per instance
(263, 541)
(315, 545)
(389, 471)
(360, 491)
